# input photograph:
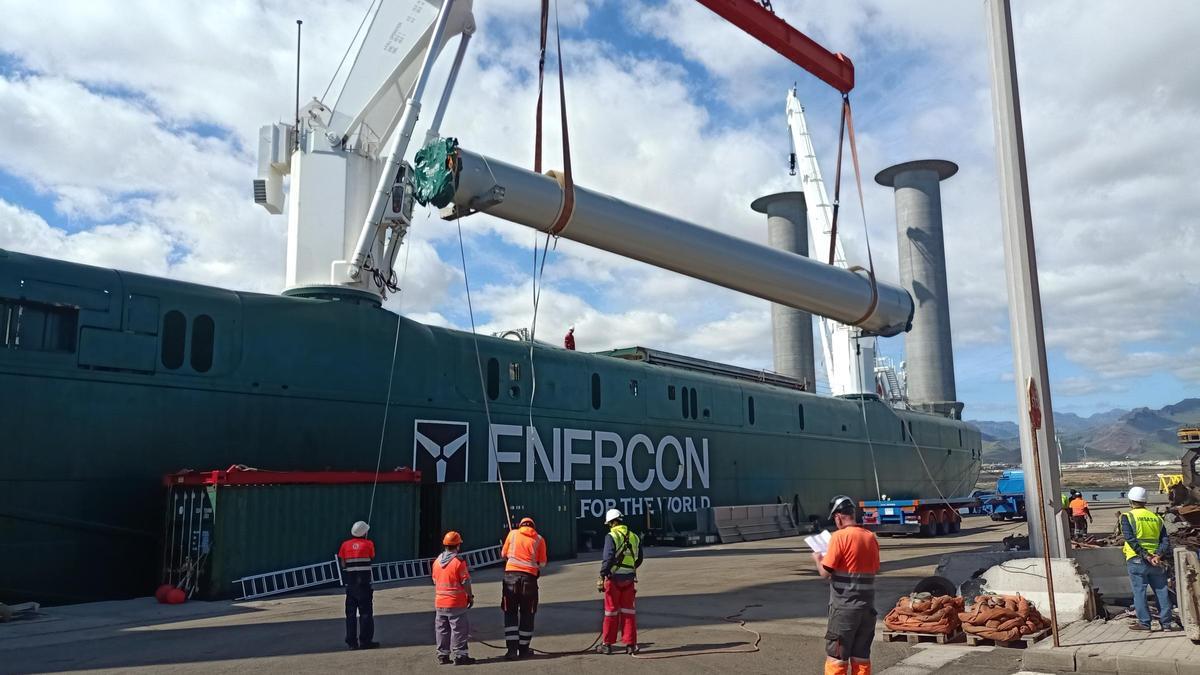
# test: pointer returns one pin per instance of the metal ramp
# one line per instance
(330, 572)
(754, 522)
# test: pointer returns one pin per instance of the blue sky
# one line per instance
(133, 129)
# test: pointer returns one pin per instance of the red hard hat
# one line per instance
(452, 538)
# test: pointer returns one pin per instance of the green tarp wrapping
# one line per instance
(436, 173)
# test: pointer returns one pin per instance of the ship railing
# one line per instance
(326, 573)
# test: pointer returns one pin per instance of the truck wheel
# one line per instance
(998, 517)
(943, 525)
(955, 525)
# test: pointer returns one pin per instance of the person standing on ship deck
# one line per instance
(525, 552)
(356, 555)
(850, 564)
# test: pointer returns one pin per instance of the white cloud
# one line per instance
(106, 125)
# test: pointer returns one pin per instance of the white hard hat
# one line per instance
(612, 515)
(359, 529)
(1137, 494)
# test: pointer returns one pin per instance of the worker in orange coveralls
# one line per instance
(569, 340)
(850, 565)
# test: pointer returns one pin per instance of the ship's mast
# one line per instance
(849, 356)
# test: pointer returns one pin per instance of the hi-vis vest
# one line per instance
(449, 583)
(356, 554)
(525, 551)
(626, 561)
(1147, 529)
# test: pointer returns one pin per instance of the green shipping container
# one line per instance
(476, 511)
(216, 534)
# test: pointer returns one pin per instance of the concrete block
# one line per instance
(962, 566)
(1027, 577)
(1093, 661)
(1128, 664)
(1187, 667)
(1107, 570)
(1060, 660)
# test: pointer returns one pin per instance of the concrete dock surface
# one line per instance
(683, 595)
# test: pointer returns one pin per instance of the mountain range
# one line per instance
(1140, 433)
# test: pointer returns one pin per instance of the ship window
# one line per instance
(595, 391)
(693, 402)
(35, 327)
(633, 387)
(514, 371)
(684, 402)
(750, 403)
(173, 335)
(903, 432)
(203, 331)
(960, 438)
(493, 379)
(800, 409)
(670, 392)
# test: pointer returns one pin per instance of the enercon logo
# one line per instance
(440, 449)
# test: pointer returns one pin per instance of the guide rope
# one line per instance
(387, 406)
(487, 410)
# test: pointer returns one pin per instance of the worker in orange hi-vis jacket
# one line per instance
(451, 599)
(850, 565)
(569, 339)
(525, 552)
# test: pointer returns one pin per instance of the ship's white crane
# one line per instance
(849, 355)
(348, 197)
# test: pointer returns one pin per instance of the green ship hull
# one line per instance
(113, 379)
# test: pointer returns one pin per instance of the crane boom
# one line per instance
(836, 70)
(849, 356)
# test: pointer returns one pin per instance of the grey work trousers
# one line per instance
(453, 629)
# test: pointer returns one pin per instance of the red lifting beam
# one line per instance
(836, 70)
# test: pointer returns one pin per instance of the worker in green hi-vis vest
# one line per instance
(1146, 546)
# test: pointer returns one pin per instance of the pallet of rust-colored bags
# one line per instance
(1003, 621)
(922, 617)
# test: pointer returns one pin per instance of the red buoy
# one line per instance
(161, 593)
(176, 596)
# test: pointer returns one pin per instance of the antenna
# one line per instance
(299, 23)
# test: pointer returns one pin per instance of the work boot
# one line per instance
(511, 654)
(525, 652)
(351, 645)
(443, 659)
(1139, 626)
(604, 649)
(631, 649)
(463, 661)
(368, 645)
(1171, 627)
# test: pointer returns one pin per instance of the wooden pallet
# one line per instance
(1021, 642)
(914, 638)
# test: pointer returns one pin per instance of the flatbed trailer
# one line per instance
(924, 517)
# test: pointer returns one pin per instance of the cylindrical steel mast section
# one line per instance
(791, 329)
(927, 348)
(635, 232)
